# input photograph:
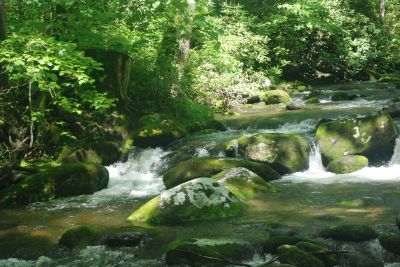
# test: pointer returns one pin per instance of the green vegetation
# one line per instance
(78, 70)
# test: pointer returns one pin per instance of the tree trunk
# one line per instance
(382, 11)
(184, 42)
(3, 32)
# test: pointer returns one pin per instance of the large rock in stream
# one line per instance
(286, 153)
(243, 183)
(159, 130)
(62, 181)
(201, 199)
(373, 136)
(207, 167)
(347, 164)
(276, 97)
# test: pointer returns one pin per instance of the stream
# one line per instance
(307, 201)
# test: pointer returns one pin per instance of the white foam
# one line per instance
(300, 127)
(316, 172)
(138, 177)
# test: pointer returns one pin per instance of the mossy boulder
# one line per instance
(208, 252)
(158, 133)
(312, 100)
(201, 199)
(271, 244)
(63, 181)
(207, 167)
(294, 255)
(79, 237)
(372, 136)
(316, 249)
(285, 153)
(159, 130)
(350, 232)
(105, 153)
(390, 242)
(347, 164)
(390, 79)
(276, 97)
(244, 183)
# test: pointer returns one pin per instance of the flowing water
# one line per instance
(306, 200)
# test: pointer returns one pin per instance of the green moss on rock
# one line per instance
(350, 232)
(244, 183)
(389, 79)
(315, 249)
(63, 181)
(294, 255)
(207, 167)
(79, 237)
(201, 199)
(104, 153)
(286, 153)
(312, 100)
(272, 244)
(276, 97)
(159, 134)
(347, 164)
(373, 136)
(390, 242)
(207, 252)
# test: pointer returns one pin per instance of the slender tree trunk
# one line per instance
(184, 43)
(3, 32)
(382, 11)
(3, 36)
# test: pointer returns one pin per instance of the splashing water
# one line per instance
(316, 172)
(138, 177)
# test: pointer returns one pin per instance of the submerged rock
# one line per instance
(347, 164)
(208, 252)
(276, 97)
(327, 258)
(271, 244)
(341, 96)
(207, 167)
(294, 255)
(390, 242)
(350, 232)
(286, 153)
(79, 237)
(372, 136)
(124, 239)
(201, 199)
(63, 181)
(244, 183)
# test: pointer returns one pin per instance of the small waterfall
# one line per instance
(396, 155)
(315, 161)
(137, 177)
